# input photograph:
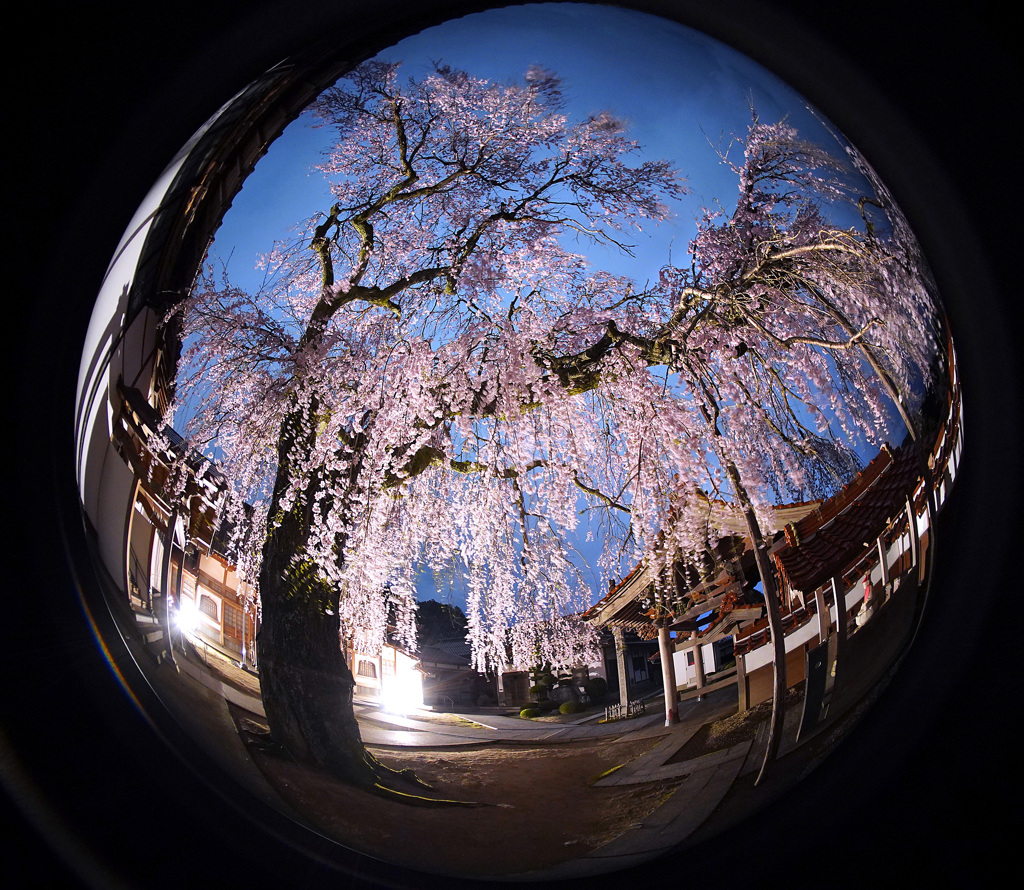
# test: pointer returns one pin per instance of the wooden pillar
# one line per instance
(129, 518)
(840, 594)
(165, 569)
(698, 664)
(254, 654)
(824, 619)
(502, 701)
(245, 622)
(883, 561)
(668, 675)
(741, 683)
(620, 661)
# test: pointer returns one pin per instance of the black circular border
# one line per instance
(103, 97)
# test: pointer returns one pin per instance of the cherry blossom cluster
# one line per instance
(431, 376)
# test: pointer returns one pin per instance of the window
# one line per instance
(232, 625)
(211, 582)
(208, 606)
(367, 669)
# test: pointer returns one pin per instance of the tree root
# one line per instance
(386, 774)
(417, 800)
(378, 777)
(383, 772)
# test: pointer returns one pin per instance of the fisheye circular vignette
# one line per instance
(765, 430)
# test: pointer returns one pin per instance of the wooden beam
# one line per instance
(915, 543)
(746, 613)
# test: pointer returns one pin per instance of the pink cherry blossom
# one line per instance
(432, 376)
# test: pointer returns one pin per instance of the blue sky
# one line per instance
(681, 94)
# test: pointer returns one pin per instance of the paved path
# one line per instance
(381, 729)
(703, 783)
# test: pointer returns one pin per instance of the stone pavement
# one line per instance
(382, 729)
(703, 783)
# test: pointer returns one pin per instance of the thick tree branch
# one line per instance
(600, 495)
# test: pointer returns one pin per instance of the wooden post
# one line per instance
(915, 541)
(620, 660)
(824, 619)
(130, 514)
(741, 683)
(243, 655)
(165, 569)
(840, 595)
(668, 674)
(883, 562)
(698, 664)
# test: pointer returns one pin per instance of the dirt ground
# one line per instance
(528, 807)
(535, 806)
(731, 730)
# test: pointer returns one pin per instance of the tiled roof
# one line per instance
(833, 536)
(435, 655)
(828, 537)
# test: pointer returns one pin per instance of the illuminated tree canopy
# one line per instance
(435, 373)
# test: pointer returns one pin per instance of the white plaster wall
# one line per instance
(763, 654)
(106, 484)
(211, 567)
(156, 562)
(685, 673)
(108, 352)
(110, 513)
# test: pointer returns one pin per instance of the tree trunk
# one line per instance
(305, 681)
(771, 599)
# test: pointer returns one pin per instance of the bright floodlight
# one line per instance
(187, 617)
(402, 694)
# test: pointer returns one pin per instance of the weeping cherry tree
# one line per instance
(430, 375)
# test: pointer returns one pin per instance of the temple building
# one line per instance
(852, 573)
